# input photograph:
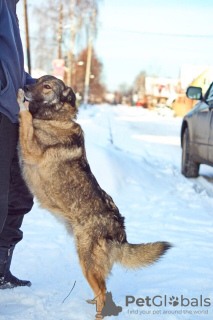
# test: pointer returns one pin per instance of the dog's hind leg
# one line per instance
(96, 265)
(97, 283)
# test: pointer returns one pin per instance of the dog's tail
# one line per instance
(139, 255)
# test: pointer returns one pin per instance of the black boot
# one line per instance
(7, 280)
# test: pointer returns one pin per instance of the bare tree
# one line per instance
(139, 83)
(97, 88)
(75, 15)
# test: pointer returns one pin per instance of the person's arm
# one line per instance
(29, 79)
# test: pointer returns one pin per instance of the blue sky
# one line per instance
(125, 50)
(136, 35)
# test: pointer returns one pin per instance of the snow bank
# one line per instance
(135, 155)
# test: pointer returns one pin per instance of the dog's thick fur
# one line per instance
(56, 169)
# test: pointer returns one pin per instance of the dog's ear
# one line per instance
(68, 96)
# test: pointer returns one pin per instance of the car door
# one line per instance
(201, 125)
(209, 100)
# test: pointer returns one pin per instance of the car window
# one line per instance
(210, 93)
(200, 106)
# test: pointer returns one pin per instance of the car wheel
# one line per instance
(190, 168)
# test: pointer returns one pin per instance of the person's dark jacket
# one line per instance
(12, 74)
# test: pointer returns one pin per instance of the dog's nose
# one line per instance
(26, 88)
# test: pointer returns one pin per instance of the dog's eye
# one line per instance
(46, 86)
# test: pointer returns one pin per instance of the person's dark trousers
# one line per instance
(15, 198)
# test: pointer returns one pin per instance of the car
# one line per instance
(197, 132)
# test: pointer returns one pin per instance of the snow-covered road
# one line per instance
(135, 155)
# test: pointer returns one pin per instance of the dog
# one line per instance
(55, 168)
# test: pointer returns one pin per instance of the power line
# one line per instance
(158, 33)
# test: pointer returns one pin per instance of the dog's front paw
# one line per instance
(20, 98)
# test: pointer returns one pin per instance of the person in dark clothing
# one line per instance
(15, 198)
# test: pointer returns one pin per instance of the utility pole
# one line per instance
(60, 31)
(89, 57)
(27, 37)
(72, 39)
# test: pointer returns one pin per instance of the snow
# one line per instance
(135, 155)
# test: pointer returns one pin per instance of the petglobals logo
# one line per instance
(165, 301)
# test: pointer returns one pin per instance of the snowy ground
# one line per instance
(135, 155)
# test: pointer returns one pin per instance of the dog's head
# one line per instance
(50, 99)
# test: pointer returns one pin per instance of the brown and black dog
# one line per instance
(55, 168)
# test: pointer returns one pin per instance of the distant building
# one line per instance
(109, 97)
(204, 79)
(160, 91)
(191, 75)
(188, 73)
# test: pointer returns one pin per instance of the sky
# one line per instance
(157, 36)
